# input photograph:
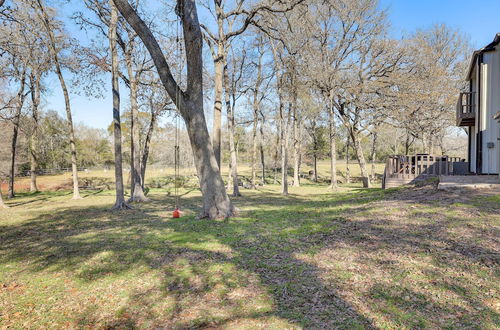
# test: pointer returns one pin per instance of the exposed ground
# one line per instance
(404, 258)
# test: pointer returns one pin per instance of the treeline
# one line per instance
(93, 145)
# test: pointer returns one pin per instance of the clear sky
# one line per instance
(478, 19)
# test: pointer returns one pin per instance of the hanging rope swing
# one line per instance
(177, 211)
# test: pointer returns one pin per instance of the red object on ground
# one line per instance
(176, 213)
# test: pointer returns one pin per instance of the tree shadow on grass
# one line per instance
(93, 243)
(216, 273)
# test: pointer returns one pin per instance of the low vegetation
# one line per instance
(357, 258)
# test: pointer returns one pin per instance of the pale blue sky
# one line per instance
(478, 19)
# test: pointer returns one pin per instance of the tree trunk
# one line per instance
(315, 167)
(276, 155)
(254, 142)
(217, 124)
(333, 150)
(17, 117)
(284, 119)
(33, 141)
(147, 143)
(347, 169)
(216, 203)
(55, 57)
(2, 204)
(373, 154)
(255, 106)
(231, 129)
(136, 190)
(431, 144)
(117, 132)
(296, 148)
(407, 144)
(361, 158)
(262, 155)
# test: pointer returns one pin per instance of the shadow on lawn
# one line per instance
(204, 263)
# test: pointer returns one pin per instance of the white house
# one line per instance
(478, 109)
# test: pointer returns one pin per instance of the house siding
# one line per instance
(490, 104)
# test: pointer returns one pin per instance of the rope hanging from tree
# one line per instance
(177, 212)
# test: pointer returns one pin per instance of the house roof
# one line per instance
(488, 47)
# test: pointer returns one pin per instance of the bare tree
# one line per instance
(20, 97)
(49, 29)
(232, 22)
(216, 203)
(259, 89)
(35, 77)
(120, 191)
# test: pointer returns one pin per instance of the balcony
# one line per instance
(466, 109)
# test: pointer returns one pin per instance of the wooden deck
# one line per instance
(404, 169)
(466, 109)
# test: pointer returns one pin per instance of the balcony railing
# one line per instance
(466, 109)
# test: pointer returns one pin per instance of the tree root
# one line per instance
(138, 199)
(121, 205)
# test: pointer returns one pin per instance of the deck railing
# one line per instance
(466, 110)
(420, 166)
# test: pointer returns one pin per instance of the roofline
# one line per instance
(487, 48)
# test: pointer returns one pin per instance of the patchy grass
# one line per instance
(63, 181)
(401, 258)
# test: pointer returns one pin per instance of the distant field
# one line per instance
(63, 181)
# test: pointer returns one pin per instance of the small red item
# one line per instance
(176, 213)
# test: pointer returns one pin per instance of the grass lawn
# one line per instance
(404, 258)
(63, 181)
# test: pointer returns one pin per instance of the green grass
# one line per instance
(355, 258)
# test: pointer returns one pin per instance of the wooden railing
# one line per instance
(420, 166)
(466, 109)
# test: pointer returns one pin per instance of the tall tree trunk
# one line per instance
(284, 119)
(276, 155)
(33, 141)
(333, 150)
(296, 148)
(431, 144)
(407, 144)
(255, 107)
(361, 158)
(262, 155)
(136, 191)
(315, 167)
(231, 129)
(373, 154)
(147, 142)
(254, 142)
(17, 118)
(216, 203)
(117, 131)
(347, 169)
(218, 86)
(55, 57)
